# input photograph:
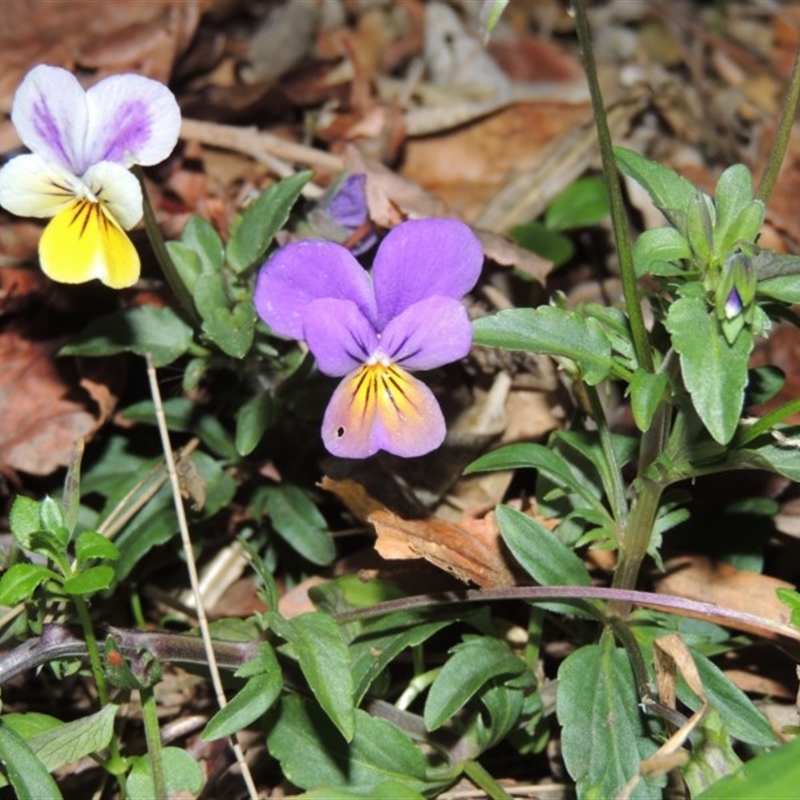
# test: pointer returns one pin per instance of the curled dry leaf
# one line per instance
(469, 549)
(42, 413)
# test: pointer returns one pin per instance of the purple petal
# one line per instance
(424, 258)
(302, 272)
(430, 333)
(339, 335)
(348, 206)
(382, 408)
(132, 120)
(50, 115)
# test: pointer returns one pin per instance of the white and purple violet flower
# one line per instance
(373, 330)
(82, 145)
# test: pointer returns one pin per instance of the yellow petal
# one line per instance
(382, 407)
(83, 242)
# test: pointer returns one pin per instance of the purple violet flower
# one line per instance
(374, 330)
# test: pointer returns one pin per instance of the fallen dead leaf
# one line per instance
(42, 412)
(470, 549)
(145, 36)
(482, 156)
(701, 578)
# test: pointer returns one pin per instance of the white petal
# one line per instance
(50, 115)
(116, 189)
(132, 120)
(30, 187)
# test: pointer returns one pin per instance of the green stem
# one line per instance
(94, 651)
(179, 289)
(483, 780)
(638, 533)
(641, 342)
(152, 734)
(782, 135)
(99, 675)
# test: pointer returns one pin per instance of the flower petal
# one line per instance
(432, 332)
(50, 115)
(132, 120)
(302, 272)
(339, 335)
(382, 408)
(30, 187)
(83, 242)
(118, 190)
(423, 258)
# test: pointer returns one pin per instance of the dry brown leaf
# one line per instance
(467, 166)
(42, 414)
(701, 578)
(470, 549)
(145, 36)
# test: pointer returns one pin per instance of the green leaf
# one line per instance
(553, 331)
(252, 701)
(52, 517)
(254, 417)
(140, 330)
(778, 456)
(491, 15)
(181, 774)
(156, 522)
(470, 666)
(764, 383)
(742, 719)
(89, 581)
(536, 456)
(657, 245)
(503, 702)
(232, 331)
(602, 740)
(770, 265)
(26, 773)
(262, 220)
(766, 777)
(298, 521)
(646, 390)
(209, 293)
(539, 551)
(312, 754)
(378, 644)
(745, 228)
(20, 581)
(582, 204)
(74, 740)
(186, 416)
(201, 236)
(733, 192)
(791, 599)
(187, 264)
(715, 373)
(699, 225)
(91, 544)
(24, 519)
(671, 193)
(324, 659)
(541, 240)
(785, 288)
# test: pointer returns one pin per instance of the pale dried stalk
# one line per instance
(202, 621)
